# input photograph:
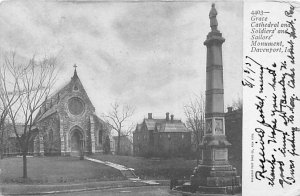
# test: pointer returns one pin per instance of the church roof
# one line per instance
(49, 106)
(102, 122)
(49, 112)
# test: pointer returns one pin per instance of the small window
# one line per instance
(182, 136)
(75, 88)
(169, 136)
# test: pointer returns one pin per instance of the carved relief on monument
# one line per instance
(208, 126)
(219, 126)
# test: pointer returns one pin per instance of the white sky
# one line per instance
(147, 54)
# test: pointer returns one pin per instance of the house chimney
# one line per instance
(172, 117)
(149, 115)
(167, 116)
(229, 109)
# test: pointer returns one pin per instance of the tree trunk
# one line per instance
(118, 146)
(2, 135)
(24, 165)
(197, 148)
(24, 153)
(1, 145)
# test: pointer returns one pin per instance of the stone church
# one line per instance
(67, 123)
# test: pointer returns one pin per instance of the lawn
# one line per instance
(153, 168)
(51, 170)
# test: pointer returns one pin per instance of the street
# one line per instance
(142, 191)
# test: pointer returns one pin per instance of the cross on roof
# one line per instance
(75, 72)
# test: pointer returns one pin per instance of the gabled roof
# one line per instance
(163, 125)
(53, 100)
(171, 127)
(138, 127)
(47, 113)
(102, 122)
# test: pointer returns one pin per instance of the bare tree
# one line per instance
(9, 93)
(3, 115)
(117, 118)
(237, 103)
(195, 120)
(31, 82)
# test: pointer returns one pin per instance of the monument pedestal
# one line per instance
(215, 174)
(218, 179)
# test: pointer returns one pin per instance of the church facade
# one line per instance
(67, 124)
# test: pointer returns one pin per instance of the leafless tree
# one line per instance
(195, 120)
(237, 103)
(118, 119)
(3, 114)
(31, 82)
(9, 94)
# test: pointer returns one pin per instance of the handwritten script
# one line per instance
(274, 84)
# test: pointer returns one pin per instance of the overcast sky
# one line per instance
(146, 54)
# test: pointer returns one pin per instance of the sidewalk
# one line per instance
(126, 172)
(45, 189)
(21, 189)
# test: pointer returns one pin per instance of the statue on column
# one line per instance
(213, 18)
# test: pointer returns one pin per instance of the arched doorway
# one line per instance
(77, 143)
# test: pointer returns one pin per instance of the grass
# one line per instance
(153, 168)
(51, 170)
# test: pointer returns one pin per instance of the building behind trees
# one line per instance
(166, 137)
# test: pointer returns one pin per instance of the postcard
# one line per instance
(160, 97)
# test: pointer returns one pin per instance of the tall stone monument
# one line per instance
(214, 174)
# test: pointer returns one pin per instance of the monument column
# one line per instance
(214, 174)
(214, 140)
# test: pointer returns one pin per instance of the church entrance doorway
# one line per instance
(76, 142)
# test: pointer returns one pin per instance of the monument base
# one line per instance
(216, 179)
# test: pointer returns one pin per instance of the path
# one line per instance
(126, 191)
(127, 172)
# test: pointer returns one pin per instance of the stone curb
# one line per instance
(175, 192)
(80, 190)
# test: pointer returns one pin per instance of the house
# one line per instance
(161, 137)
(234, 127)
(233, 124)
